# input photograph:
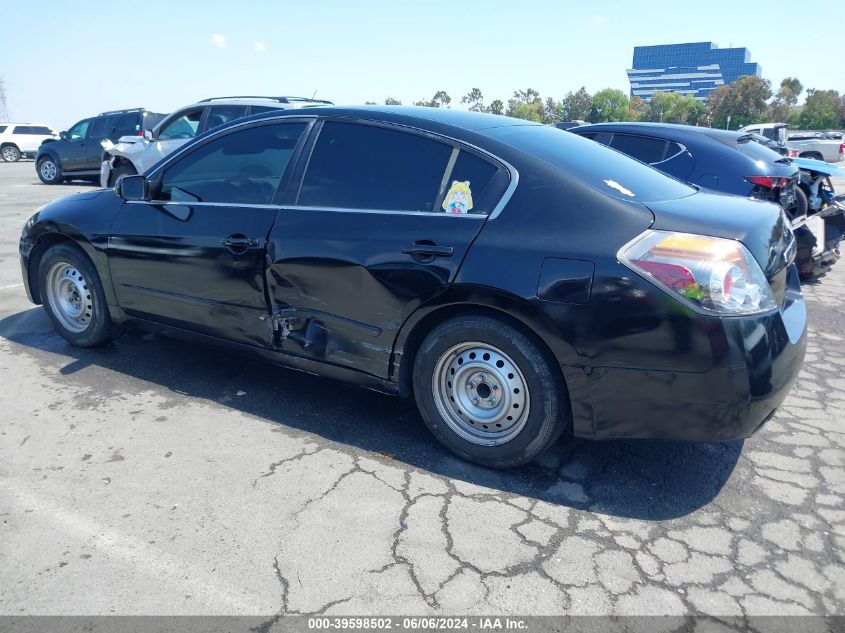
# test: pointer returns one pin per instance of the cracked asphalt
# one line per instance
(157, 477)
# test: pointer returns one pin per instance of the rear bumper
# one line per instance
(756, 362)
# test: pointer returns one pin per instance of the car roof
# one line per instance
(410, 115)
(671, 131)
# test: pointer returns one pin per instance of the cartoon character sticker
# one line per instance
(459, 198)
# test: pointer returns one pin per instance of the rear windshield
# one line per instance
(757, 151)
(595, 164)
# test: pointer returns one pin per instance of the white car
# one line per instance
(22, 139)
(134, 154)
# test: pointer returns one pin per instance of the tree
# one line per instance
(526, 104)
(820, 110)
(551, 111)
(496, 107)
(392, 101)
(370, 103)
(575, 106)
(440, 100)
(785, 99)
(638, 109)
(673, 107)
(609, 104)
(474, 99)
(744, 101)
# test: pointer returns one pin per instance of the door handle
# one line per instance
(422, 249)
(239, 242)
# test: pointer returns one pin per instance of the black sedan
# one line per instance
(520, 281)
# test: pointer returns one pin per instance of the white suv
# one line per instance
(134, 155)
(23, 139)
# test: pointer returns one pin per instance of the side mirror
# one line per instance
(63, 136)
(148, 135)
(133, 188)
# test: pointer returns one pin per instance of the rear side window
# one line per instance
(592, 163)
(479, 178)
(243, 167)
(22, 129)
(644, 148)
(40, 129)
(127, 125)
(220, 115)
(357, 166)
(100, 128)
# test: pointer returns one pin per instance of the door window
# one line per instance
(477, 175)
(78, 131)
(40, 129)
(357, 166)
(183, 127)
(3, 128)
(100, 128)
(127, 125)
(243, 167)
(644, 148)
(220, 115)
(22, 129)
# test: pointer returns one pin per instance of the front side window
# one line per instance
(220, 115)
(183, 127)
(3, 128)
(357, 166)
(243, 167)
(78, 131)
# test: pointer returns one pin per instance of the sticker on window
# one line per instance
(459, 198)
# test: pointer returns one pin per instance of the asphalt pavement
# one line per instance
(159, 477)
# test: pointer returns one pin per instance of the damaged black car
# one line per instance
(519, 281)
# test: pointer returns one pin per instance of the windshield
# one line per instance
(597, 165)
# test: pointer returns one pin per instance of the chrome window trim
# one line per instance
(683, 149)
(503, 201)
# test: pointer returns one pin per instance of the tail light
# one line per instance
(709, 274)
(793, 153)
(842, 148)
(769, 182)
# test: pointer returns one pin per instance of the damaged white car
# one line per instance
(135, 154)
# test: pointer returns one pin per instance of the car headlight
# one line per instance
(712, 275)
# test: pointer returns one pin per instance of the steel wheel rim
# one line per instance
(9, 154)
(69, 296)
(481, 393)
(48, 170)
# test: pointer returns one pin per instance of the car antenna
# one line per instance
(315, 94)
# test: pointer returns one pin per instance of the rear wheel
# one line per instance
(11, 154)
(813, 155)
(488, 392)
(49, 171)
(73, 296)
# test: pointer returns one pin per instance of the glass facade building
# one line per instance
(694, 69)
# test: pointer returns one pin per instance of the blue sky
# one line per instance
(64, 60)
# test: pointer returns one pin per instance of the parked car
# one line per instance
(21, 140)
(134, 155)
(520, 281)
(801, 146)
(78, 153)
(729, 162)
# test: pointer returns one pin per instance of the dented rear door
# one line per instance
(381, 224)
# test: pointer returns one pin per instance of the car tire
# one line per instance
(489, 392)
(10, 153)
(49, 171)
(812, 155)
(121, 171)
(73, 296)
(802, 204)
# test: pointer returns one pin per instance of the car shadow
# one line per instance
(641, 479)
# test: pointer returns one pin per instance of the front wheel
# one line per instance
(49, 171)
(121, 171)
(11, 154)
(73, 296)
(488, 392)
